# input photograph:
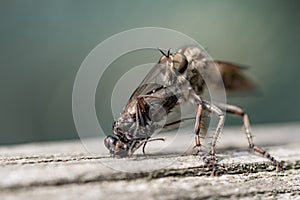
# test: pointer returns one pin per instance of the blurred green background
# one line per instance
(43, 44)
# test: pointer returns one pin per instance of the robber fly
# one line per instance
(177, 78)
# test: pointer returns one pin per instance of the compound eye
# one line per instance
(180, 62)
(110, 142)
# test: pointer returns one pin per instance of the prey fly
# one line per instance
(178, 78)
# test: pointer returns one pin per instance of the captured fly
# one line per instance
(178, 78)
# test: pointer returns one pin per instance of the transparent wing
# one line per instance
(153, 80)
(233, 77)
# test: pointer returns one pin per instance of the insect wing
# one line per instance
(234, 79)
(153, 81)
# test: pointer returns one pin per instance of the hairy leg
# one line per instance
(211, 160)
(231, 109)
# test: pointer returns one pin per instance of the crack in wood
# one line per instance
(229, 169)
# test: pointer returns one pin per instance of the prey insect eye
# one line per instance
(110, 142)
(115, 146)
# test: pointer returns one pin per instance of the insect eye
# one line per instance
(176, 66)
(180, 63)
(110, 142)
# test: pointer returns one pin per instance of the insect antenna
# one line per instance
(150, 140)
(163, 53)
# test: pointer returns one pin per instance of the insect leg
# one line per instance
(212, 160)
(231, 109)
(142, 116)
(197, 127)
(174, 123)
(138, 143)
(148, 96)
(150, 140)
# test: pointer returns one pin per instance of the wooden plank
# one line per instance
(65, 170)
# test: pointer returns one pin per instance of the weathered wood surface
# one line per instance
(65, 170)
